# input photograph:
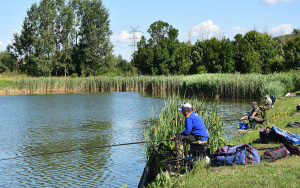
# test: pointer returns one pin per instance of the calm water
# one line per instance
(34, 124)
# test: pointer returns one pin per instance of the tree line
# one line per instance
(61, 37)
(65, 37)
(255, 52)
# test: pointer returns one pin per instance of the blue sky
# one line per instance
(195, 19)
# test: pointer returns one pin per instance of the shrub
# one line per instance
(74, 75)
(276, 88)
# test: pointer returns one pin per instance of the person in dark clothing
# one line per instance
(255, 115)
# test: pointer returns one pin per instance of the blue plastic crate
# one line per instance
(243, 126)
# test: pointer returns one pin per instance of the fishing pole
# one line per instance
(234, 119)
(82, 149)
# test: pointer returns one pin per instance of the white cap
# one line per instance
(185, 105)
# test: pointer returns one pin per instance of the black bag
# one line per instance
(296, 124)
(268, 136)
(275, 154)
(294, 150)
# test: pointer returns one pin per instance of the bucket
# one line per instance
(243, 126)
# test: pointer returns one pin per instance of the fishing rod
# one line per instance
(82, 149)
(234, 119)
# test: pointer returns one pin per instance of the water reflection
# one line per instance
(34, 124)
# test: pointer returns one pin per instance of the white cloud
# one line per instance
(272, 2)
(125, 36)
(281, 30)
(1, 43)
(205, 30)
(240, 30)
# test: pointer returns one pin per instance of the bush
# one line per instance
(276, 88)
(74, 75)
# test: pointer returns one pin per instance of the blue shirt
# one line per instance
(195, 125)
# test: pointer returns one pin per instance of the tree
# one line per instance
(160, 30)
(94, 45)
(264, 46)
(143, 58)
(226, 56)
(252, 43)
(7, 62)
(65, 37)
(162, 54)
(292, 53)
(213, 56)
(59, 37)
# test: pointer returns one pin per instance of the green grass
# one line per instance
(282, 173)
(6, 83)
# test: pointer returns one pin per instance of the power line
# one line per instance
(134, 38)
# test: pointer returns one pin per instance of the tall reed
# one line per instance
(224, 85)
(170, 121)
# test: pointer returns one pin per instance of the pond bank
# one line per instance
(282, 173)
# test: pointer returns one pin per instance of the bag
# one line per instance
(294, 150)
(296, 124)
(294, 139)
(268, 136)
(275, 154)
(237, 154)
(273, 98)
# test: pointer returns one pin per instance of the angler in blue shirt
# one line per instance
(195, 129)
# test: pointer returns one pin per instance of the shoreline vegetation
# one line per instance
(281, 173)
(277, 174)
(208, 85)
(171, 122)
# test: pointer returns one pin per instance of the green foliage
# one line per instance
(215, 55)
(292, 53)
(223, 85)
(6, 83)
(163, 54)
(163, 179)
(60, 37)
(74, 75)
(201, 69)
(7, 62)
(277, 65)
(171, 121)
(278, 174)
(254, 52)
(276, 88)
(252, 63)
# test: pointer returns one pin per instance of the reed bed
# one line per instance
(210, 85)
(170, 122)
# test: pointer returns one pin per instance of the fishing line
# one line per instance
(82, 149)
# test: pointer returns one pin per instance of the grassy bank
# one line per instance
(222, 85)
(282, 173)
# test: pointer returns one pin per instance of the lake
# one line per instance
(36, 124)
